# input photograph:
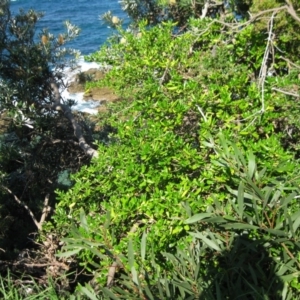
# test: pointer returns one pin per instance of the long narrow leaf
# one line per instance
(110, 294)
(288, 199)
(143, 246)
(238, 155)
(131, 262)
(88, 293)
(83, 221)
(130, 254)
(148, 292)
(107, 220)
(197, 218)
(207, 241)
(68, 253)
(296, 224)
(241, 199)
(215, 220)
(239, 226)
(276, 232)
(251, 165)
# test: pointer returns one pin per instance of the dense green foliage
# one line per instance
(204, 156)
(195, 191)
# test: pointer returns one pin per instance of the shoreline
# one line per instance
(82, 105)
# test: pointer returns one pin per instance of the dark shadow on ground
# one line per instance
(244, 272)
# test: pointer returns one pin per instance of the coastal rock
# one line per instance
(102, 94)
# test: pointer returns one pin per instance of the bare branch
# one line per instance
(68, 114)
(291, 11)
(290, 63)
(37, 224)
(205, 10)
(111, 273)
(286, 92)
(264, 68)
(46, 210)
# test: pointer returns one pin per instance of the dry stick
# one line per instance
(239, 25)
(39, 265)
(251, 20)
(290, 254)
(46, 210)
(290, 62)
(264, 68)
(286, 92)
(205, 10)
(37, 224)
(68, 114)
(111, 273)
(291, 11)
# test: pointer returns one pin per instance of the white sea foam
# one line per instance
(87, 106)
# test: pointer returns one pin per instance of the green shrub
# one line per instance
(244, 246)
(198, 104)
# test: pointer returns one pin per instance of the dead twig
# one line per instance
(205, 10)
(111, 273)
(286, 92)
(46, 208)
(264, 65)
(290, 254)
(290, 63)
(291, 11)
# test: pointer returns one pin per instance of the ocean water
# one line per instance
(85, 14)
(82, 13)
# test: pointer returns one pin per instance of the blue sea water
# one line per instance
(83, 13)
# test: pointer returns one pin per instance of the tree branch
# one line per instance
(45, 211)
(205, 10)
(286, 92)
(291, 11)
(76, 127)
